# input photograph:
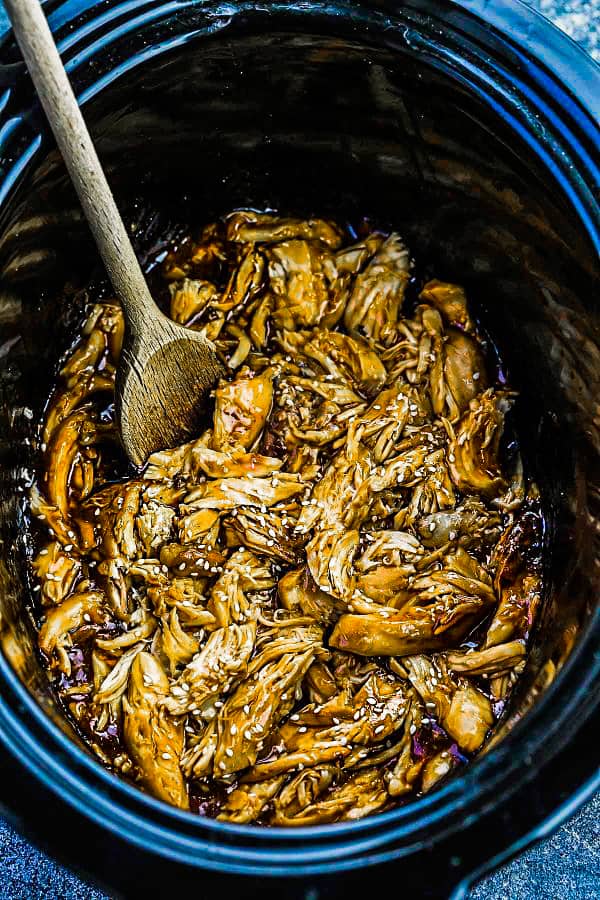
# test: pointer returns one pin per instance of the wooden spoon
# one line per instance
(165, 369)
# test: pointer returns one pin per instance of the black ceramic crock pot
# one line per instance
(472, 127)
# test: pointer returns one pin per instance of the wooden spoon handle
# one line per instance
(56, 95)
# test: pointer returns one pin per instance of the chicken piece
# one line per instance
(519, 602)
(437, 768)
(347, 358)
(291, 636)
(461, 574)
(200, 258)
(352, 259)
(330, 557)
(473, 451)
(117, 584)
(187, 560)
(249, 227)
(70, 438)
(234, 464)
(320, 683)
(339, 393)
(238, 354)
(378, 293)
(464, 712)
(247, 801)
(360, 796)
(457, 370)
(299, 281)
(114, 683)
(241, 410)
(268, 533)
(516, 560)
(245, 282)
(190, 298)
(142, 626)
(470, 523)
(333, 496)
(393, 548)
(229, 493)
(329, 733)
(57, 572)
(302, 791)
(400, 780)
(381, 426)
(200, 527)
(177, 646)
(55, 634)
(495, 660)
(406, 470)
(464, 372)
(384, 584)
(414, 629)
(154, 525)
(450, 301)
(58, 525)
(177, 463)
(153, 739)
(212, 672)
(79, 390)
(108, 318)
(432, 491)
(88, 353)
(196, 760)
(254, 709)
(385, 569)
(184, 595)
(297, 591)
(243, 572)
(113, 511)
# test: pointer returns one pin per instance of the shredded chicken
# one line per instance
(319, 605)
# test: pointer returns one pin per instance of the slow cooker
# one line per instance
(471, 127)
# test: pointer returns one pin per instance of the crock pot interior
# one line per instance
(312, 123)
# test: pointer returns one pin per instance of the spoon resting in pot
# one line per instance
(165, 370)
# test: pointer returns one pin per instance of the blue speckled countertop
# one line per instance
(564, 867)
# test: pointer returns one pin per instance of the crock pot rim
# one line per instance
(372, 823)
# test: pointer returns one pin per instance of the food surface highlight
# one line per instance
(320, 606)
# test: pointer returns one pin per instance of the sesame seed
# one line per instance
(229, 752)
(166, 755)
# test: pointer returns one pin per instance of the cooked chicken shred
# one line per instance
(319, 606)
